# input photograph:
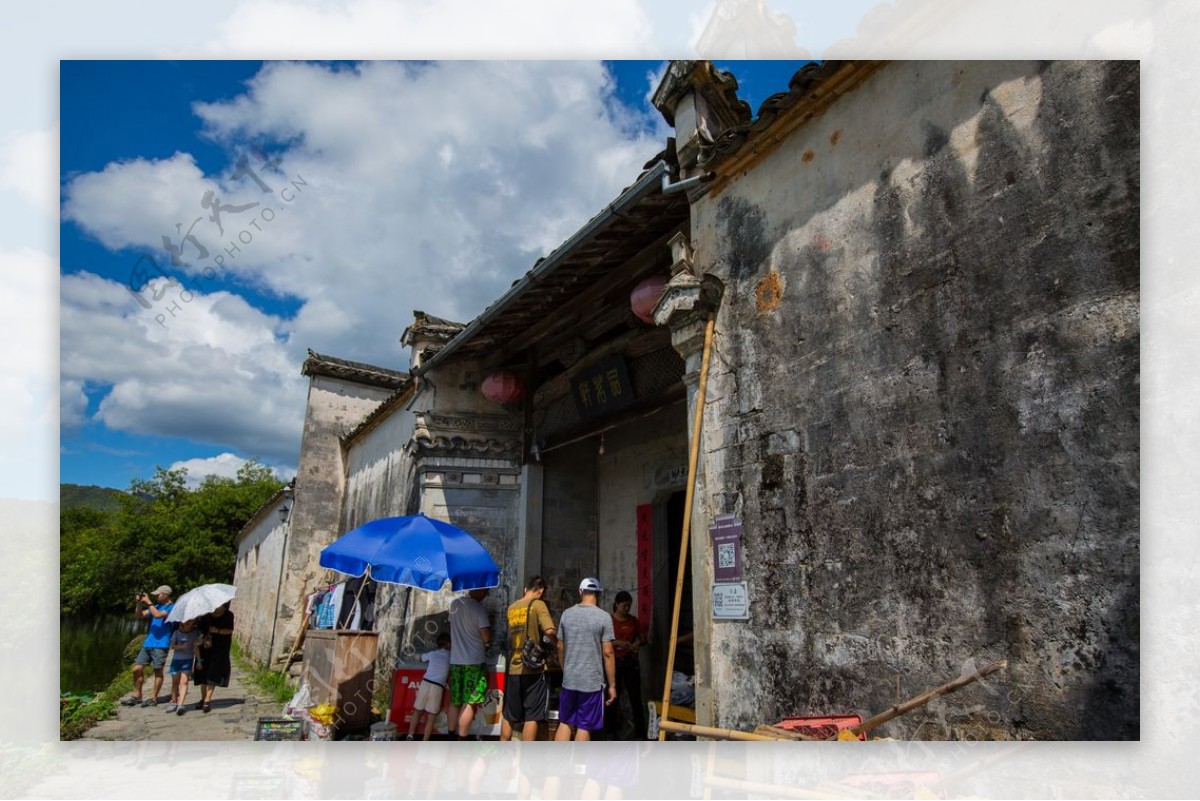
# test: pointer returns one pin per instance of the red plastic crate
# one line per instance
(821, 727)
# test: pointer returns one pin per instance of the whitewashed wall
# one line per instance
(256, 576)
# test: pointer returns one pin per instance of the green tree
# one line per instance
(163, 533)
(87, 559)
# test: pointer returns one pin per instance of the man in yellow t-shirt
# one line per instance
(526, 696)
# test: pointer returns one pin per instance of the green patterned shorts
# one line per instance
(468, 685)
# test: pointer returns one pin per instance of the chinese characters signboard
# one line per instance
(602, 388)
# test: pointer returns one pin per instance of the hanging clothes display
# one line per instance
(326, 615)
(358, 598)
(348, 605)
(335, 602)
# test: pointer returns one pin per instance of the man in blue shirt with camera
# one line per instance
(154, 647)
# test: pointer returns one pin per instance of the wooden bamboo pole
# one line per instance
(719, 734)
(287, 662)
(687, 518)
(925, 697)
(780, 733)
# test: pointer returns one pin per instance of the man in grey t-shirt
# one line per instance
(470, 635)
(585, 650)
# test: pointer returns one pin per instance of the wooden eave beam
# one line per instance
(572, 314)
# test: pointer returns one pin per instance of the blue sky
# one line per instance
(414, 186)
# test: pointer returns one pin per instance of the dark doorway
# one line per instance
(684, 657)
(668, 525)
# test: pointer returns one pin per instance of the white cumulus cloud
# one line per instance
(398, 186)
(214, 372)
(72, 405)
(223, 465)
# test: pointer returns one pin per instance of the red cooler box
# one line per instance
(406, 681)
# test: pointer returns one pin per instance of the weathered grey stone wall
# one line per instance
(334, 408)
(380, 483)
(643, 462)
(379, 472)
(451, 457)
(569, 521)
(926, 403)
(490, 516)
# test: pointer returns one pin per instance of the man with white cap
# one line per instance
(585, 650)
(154, 648)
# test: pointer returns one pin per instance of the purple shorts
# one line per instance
(581, 710)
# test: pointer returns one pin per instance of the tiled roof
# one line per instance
(286, 490)
(358, 372)
(429, 326)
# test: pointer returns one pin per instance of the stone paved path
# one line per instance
(235, 712)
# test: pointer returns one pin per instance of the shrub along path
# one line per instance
(235, 712)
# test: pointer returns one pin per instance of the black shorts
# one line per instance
(526, 698)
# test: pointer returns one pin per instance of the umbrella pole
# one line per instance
(400, 646)
(366, 577)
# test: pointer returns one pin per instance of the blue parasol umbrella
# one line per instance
(415, 551)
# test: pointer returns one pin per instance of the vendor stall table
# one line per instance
(339, 667)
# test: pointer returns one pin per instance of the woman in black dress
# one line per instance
(213, 669)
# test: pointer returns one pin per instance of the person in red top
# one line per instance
(628, 633)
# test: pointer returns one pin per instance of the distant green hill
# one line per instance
(76, 496)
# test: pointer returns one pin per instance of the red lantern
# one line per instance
(645, 295)
(503, 387)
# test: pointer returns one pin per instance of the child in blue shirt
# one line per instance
(186, 642)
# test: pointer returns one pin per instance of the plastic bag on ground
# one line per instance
(301, 701)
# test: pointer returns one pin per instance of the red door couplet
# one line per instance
(645, 566)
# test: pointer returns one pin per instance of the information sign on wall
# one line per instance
(731, 601)
(602, 388)
(726, 533)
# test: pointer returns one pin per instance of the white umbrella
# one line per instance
(201, 601)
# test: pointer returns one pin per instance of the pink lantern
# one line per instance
(503, 387)
(645, 295)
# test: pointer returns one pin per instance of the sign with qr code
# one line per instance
(726, 533)
(731, 601)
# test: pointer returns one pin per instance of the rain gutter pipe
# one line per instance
(289, 496)
(669, 188)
